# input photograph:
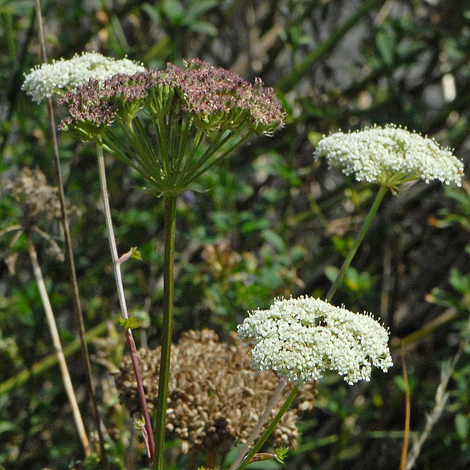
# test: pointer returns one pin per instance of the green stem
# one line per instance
(357, 242)
(270, 429)
(167, 326)
(267, 412)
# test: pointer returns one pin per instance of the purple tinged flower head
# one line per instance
(217, 99)
(221, 100)
(181, 109)
(95, 104)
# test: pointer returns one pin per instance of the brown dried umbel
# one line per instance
(37, 199)
(215, 398)
(38, 202)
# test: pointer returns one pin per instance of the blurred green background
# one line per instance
(269, 222)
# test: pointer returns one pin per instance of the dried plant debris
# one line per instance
(215, 398)
(37, 199)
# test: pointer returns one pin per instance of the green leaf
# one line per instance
(136, 253)
(462, 426)
(6, 426)
(152, 12)
(385, 41)
(274, 239)
(281, 453)
(331, 272)
(198, 8)
(173, 10)
(130, 323)
(203, 27)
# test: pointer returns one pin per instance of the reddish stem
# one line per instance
(150, 443)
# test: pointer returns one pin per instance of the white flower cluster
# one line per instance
(302, 338)
(48, 79)
(390, 156)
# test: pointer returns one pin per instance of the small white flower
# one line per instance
(390, 156)
(302, 338)
(48, 79)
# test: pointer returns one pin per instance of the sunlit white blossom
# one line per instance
(302, 338)
(48, 79)
(390, 156)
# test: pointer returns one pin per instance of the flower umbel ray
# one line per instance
(302, 338)
(175, 123)
(390, 156)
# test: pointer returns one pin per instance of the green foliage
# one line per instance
(130, 323)
(281, 454)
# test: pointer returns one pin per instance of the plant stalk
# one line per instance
(122, 300)
(266, 413)
(270, 429)
(69, 251)
(58, 347)
(167, 328)
(357, 242)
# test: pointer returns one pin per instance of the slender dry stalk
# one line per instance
(404, 451)
(68, 249)
(58, 347)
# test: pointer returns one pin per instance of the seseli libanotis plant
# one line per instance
(192, 112)
(170, 126)
(389, 156)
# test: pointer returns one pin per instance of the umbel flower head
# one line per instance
(302, 338)
(174, 123)
(390, 156)
(47, 80)
(216, 98)
(215, 398)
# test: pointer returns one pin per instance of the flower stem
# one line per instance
(357, 242)
(167, 327)
(270, 429)
(122, 300)
(273, 400)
